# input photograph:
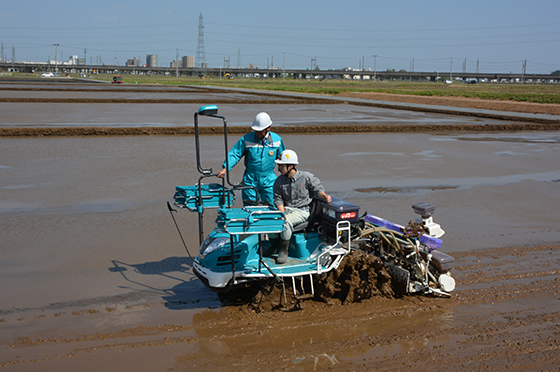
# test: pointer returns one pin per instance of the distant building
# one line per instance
(134, 62)
(73, 60)
(151, 60)
(188, 62)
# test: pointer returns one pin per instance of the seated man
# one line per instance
(293, 192)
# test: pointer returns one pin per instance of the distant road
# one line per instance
(288, 73)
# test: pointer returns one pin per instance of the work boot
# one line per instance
(283, 252)
(273, 246)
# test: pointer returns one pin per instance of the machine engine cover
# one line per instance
(339, 210)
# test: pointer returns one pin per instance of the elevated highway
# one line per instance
(276, 73)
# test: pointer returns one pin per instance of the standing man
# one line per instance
(260, 149)
(293, 192)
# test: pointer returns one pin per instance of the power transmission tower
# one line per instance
(200, 54)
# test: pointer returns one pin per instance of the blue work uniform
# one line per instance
(260, 155)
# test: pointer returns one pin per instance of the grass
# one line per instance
(512, 92)
(537, 93)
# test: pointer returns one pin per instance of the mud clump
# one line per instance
(359, 276)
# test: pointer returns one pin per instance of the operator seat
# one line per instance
(307, 225)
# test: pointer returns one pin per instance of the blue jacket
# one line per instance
(259, 160)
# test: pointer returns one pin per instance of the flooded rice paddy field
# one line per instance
(95, 277)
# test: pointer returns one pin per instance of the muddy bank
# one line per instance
(309, 129)
(195, 95)
(168, 101)
(475, 103)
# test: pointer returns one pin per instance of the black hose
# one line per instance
(171, 210)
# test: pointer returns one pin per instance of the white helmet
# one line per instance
(261, 122)
(287, 157)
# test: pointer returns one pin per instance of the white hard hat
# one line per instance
(261, 122)
(287, 157)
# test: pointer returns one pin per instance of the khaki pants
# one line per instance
(294, 216)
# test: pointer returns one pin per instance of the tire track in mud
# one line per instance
(504, 314)
(498, 319)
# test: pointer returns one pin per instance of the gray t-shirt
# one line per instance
(297, 191)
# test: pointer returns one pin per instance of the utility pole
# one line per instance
(523, 70)
(283, 65)
(238, 57)
(451, 70)
(177, 65)
(56, 59)
(375, 67)
(85, 56)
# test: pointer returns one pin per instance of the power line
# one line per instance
(270, 27)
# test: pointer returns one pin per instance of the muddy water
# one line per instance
(71, 206)
(37, 114)
(94, 274)
(88, 242)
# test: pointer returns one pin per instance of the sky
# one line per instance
(432, 35)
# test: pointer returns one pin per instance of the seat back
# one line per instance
(307, 225)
